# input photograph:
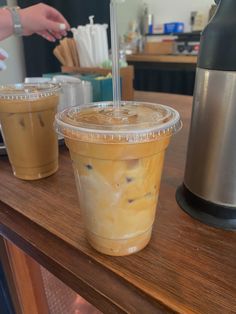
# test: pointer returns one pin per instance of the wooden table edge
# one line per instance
(14, 226)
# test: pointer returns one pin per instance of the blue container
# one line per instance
(175, 27)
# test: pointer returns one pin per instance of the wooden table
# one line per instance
(187, 268)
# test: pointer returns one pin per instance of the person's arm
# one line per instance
(6, 24)
(40, 18)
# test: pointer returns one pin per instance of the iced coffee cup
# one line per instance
(27, 113)
(117, 158)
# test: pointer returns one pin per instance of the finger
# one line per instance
(2, 66)
(56, 35)
(3, 54)
(46, 35)
(63, 33)
(54, 26)
(56, 16)
(62, 27)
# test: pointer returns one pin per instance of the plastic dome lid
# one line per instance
(28, 90)
(132, 122)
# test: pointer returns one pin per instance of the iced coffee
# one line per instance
(118, 158)
(27, 115)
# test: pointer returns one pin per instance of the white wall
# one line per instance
(128, 11)
(15, 71)
(176, 10)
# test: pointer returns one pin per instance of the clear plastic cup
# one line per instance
(27, 113)
(117, 158)
(74, 94)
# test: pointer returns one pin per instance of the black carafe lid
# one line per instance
(218, 40)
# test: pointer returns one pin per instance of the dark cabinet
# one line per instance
(177, 78)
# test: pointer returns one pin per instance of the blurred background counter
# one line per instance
(164, 73)
(144, 26)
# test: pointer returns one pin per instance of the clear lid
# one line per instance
(28, 91)
(133, 122)
(64, 80)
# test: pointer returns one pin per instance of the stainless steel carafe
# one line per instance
(209, 189)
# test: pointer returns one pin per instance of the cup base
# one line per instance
(119, 247)
(35, 173)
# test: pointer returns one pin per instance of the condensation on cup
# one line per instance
(117, 158)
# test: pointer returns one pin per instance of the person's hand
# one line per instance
(3, 56)
(43, 20)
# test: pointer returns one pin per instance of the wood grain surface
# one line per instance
(28, 281)
(187, 268)
(142, 57)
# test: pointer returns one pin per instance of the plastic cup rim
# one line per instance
(163, 127)
(17, 92)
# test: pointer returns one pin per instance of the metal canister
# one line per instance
(209, 189)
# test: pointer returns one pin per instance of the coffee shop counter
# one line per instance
(187, 267)
(173, 74)
(145, 57)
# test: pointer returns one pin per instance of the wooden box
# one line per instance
(126, 73)
(159, 48)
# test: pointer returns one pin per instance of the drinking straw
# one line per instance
(115, 53)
